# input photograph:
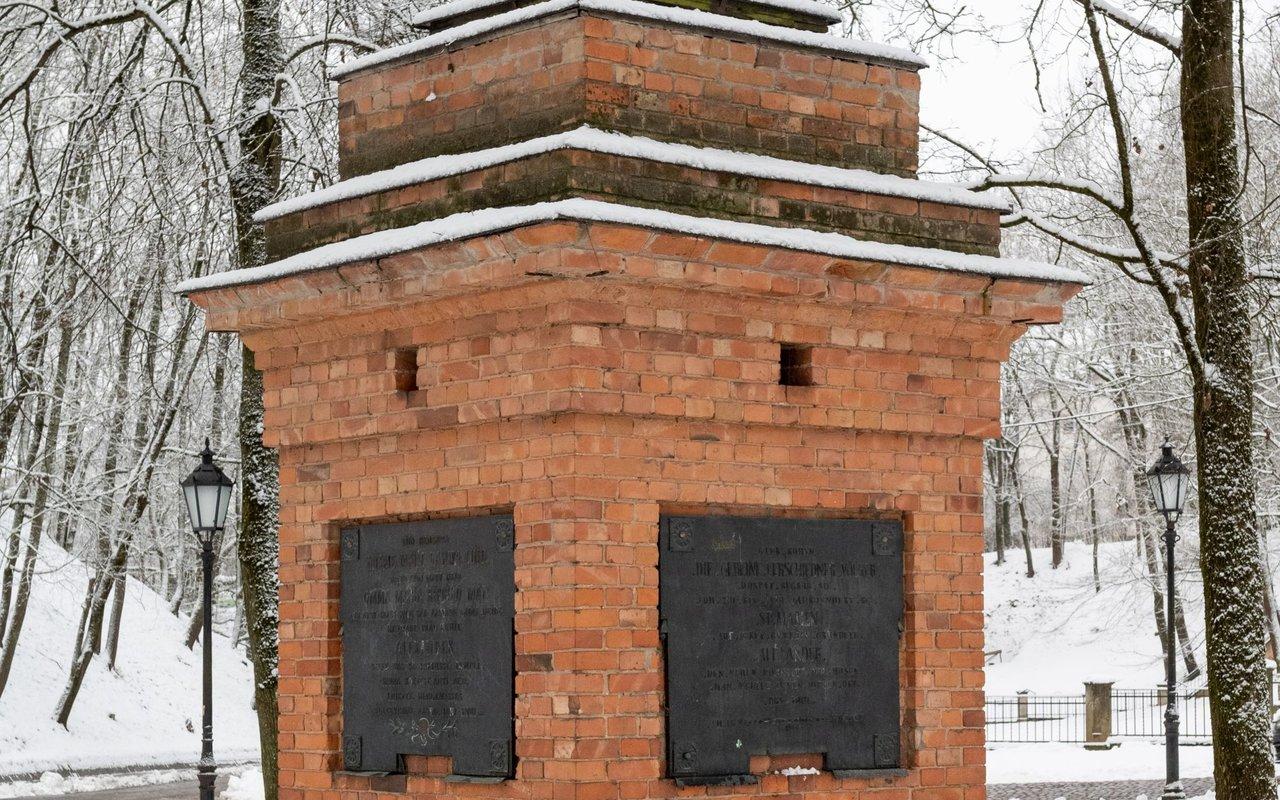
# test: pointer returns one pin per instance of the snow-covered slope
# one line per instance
(1054, 632)
(148, 712)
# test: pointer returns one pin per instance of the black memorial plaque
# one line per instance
(781, 637)
(427, 612)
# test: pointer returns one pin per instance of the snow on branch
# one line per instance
(1138, 26)
(330, 39)
(1031, 180)
(1088, 246)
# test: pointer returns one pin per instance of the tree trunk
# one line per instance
(1055, 491)
(135, 506)
(40, 516)
(1094, 526)
(256, 182)
(1269, 596)
(259, 565)
(1230, 563)
(179, 586)
(93, 633)
(1015, 483)
(1153, 578)
(117, 611)
(1184, 640)
(995, 468)
(193, 626)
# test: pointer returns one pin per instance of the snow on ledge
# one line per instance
(636, 9)
(469, 224)
(621, 144)
(424, 19)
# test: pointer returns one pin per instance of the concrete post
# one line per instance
(1023, 705)
(1097, 715)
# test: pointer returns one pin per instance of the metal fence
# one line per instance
(1141, 714)
(1061, 718)
(1035, 718)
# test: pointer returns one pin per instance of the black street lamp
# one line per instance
(1168, 480)
(207, 491)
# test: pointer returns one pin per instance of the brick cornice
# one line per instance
(572, 172)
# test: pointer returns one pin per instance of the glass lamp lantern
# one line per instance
(1169, 479)
(207, 491)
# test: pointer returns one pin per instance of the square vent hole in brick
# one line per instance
(795, 365)
(405, 366)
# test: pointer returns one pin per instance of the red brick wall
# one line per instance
(560, 73)
(588, 407)
(579, 173)
(590, 377)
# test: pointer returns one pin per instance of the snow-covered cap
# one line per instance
(635, 9)
(446, 15)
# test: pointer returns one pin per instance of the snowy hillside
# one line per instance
(1054, 632)
(146, 713)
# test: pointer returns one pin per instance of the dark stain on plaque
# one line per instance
(781, 636)
(428, 667)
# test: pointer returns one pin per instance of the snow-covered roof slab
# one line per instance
(434, 17)
(470, 224)
(621, 144)
(636, 9)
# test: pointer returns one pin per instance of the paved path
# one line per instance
(1085, 790)
(1092, 790)
(179, 790)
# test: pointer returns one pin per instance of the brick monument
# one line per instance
(597, 270)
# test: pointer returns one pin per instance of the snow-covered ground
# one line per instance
(1068, 763)
(146, 713)
(1054, 632)
(245, 782)
(246, 785)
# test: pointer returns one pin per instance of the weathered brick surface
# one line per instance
(770, 14)
(590, 406)
(579, 173)
(638, 78)
(588, 378)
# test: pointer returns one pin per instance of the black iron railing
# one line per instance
(1135, 713)
(1035, 718)
(1140, 713)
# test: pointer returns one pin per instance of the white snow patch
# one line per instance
(424, 19)
(700, 20)
(145, 713)
(790, 771)
(476, 223)
(1069, 763)
(245, 786)
(1054, 632)
(620, 144)
(57, 784)
(1212, 374)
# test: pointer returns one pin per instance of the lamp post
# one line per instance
(207, 491)
(1168, 480)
